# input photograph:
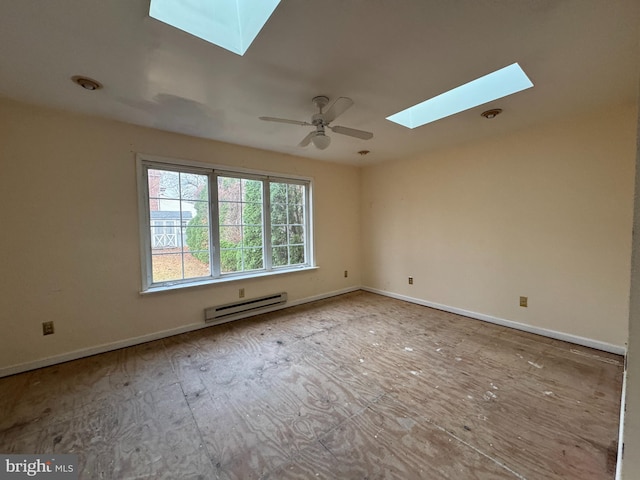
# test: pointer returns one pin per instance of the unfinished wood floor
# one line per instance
(355, 387)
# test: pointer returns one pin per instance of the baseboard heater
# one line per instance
(244, 308)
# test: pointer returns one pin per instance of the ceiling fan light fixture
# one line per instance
(321, 141)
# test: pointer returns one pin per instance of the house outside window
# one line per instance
(201, 224)
(168, 228)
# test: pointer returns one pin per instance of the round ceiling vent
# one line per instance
(86, 82)
(493, 113)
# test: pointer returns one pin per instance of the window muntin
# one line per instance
(206, 225)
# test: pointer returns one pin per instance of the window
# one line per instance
(230, 24)
(202, 224)
(287, 223)
(495, 85)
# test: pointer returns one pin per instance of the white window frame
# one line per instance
(144, 162)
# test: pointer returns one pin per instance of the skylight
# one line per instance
(503, 82)
(230, 24)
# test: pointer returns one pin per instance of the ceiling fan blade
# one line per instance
(352, 132)
(283, 120)
(306, 140)
(340, 106)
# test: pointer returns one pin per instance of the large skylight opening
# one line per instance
(503, 82)
(230, 24)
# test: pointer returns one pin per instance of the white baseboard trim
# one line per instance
(106, 347)
(623, 406)
(322, 296)
(567, 337)
(129, 342)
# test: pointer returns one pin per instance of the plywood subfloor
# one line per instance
(355, 387)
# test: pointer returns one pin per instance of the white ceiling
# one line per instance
(384, 54)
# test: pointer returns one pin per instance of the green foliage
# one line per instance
(198, 230)
(230, 257)
(252, 252)
(287, 224)
(252, 229)
(241, 219)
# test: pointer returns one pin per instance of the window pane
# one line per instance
(278, 192)
(230, 260)
(296, 234)
(194, 187)
(296, 193)
(252, 190)
(230, 213)
(252, 236)
(252, 213)
(296, 213)
(197, 264)
(197, 240)
(280, 256)
(161, 237)
(297, 254)
(230, 236)
(163, 184)
(195, 209)
(229, 189)
(278, 214)
(253, 258)
(166, 267)
(278, 235)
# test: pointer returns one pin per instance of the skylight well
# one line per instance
(503, 82)
(230, 24)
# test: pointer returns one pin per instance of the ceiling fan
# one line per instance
(322, 119)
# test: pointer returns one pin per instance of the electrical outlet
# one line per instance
(241, 293)
(410, 280)
(346, 274)
(47, 328)
(524, 301)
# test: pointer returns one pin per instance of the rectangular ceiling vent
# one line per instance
(244, 308)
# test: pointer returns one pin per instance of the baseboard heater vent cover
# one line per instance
(244, 308)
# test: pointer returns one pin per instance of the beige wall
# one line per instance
(69, 246)
(544, 213)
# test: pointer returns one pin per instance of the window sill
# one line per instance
(226, 279)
